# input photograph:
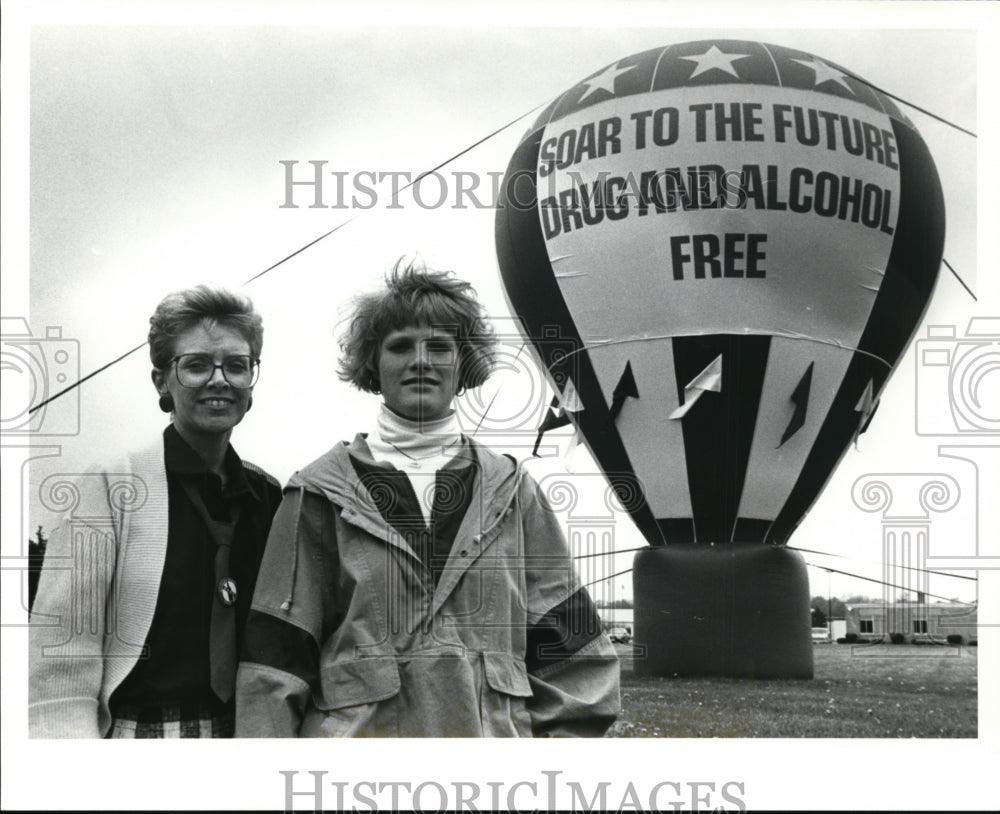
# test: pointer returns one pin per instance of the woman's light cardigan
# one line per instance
(97, 593)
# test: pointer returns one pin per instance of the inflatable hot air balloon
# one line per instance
(739, 240)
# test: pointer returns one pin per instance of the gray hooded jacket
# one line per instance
(350, 636)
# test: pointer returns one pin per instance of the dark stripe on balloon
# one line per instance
(903, 297)
(676, 529)
(534, 294)
(915, 260)
(719, 428)
(750, 530)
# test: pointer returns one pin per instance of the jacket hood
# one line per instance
(333, 476)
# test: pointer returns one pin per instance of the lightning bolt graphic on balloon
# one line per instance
(710, 379)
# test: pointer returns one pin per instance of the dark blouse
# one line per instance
(175, 669)
(396, 501)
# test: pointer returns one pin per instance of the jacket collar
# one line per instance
(181, 459)
(334, 477)
(499, 476)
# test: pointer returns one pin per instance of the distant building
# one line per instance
(916, 621)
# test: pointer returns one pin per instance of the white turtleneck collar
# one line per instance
(409, 444)
(418, 448)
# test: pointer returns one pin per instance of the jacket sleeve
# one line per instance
(68, 624)
(573, 669)
(288, 617)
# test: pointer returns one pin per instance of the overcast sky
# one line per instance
(155, 163)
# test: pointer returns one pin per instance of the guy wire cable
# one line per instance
(445, 163)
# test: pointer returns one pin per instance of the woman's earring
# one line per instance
(460, 392)
(167, 403)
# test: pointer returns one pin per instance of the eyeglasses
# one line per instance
(197, 369)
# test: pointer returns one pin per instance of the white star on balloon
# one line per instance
(824, 73)
(605, 80)
(715, 59)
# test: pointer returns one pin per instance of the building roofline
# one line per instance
(866, 605)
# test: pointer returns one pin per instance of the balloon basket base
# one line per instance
(737, 610)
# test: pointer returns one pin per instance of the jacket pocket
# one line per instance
(507, 674)
(359, 681)
(503, 706)
(353, 695)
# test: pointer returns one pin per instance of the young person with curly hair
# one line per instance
(416, 583)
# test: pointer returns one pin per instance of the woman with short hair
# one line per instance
(415, 582)
(147, 582)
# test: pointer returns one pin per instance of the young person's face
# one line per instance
(418, 372)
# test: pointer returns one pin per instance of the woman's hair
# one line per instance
(202, 305)
(415, 296)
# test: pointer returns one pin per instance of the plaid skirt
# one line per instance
(196, 721)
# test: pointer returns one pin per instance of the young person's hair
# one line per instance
(417, 296)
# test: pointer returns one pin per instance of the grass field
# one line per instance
(860, 691)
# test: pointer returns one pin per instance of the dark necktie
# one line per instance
(222, 640)
(222, 632)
